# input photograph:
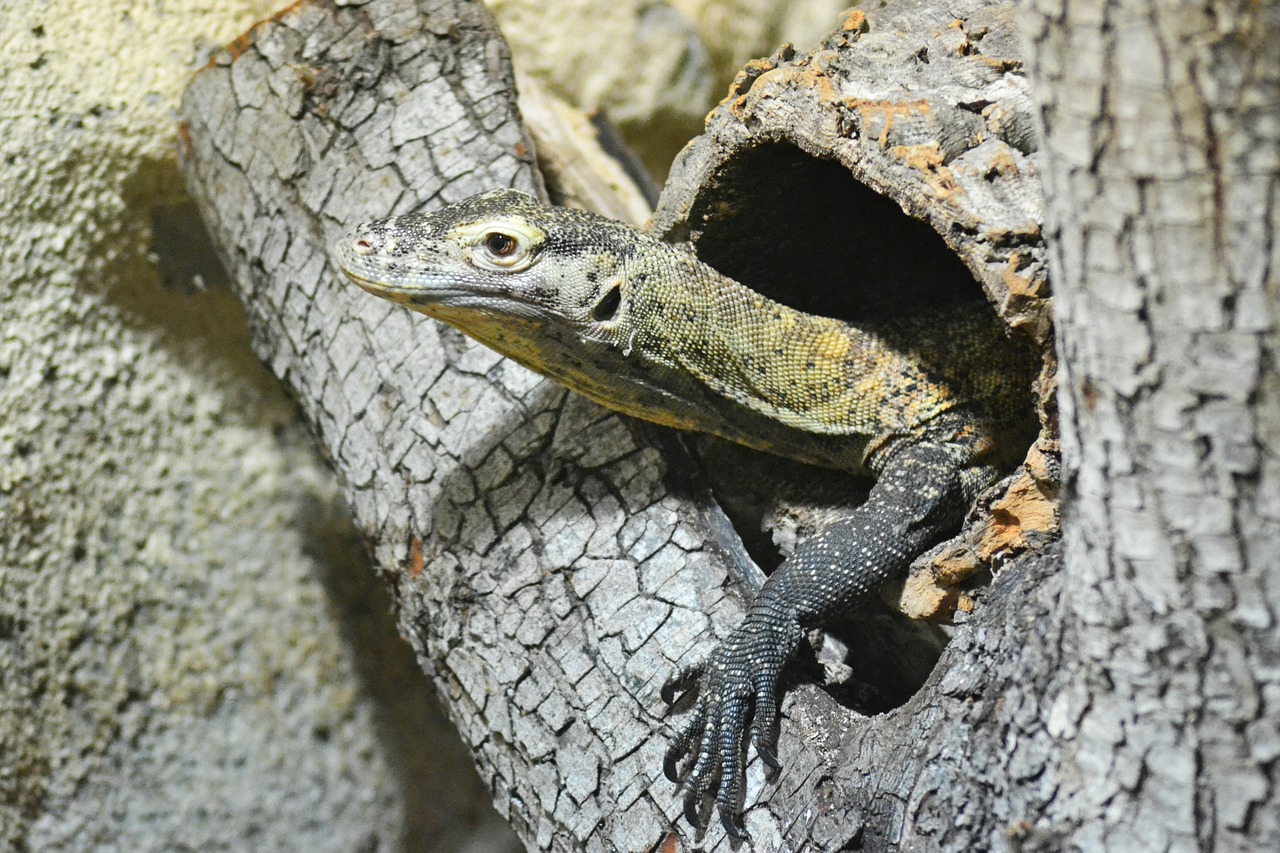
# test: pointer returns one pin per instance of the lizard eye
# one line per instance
(500, 245)
(504, 246)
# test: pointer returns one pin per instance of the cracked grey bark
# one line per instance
(550, 573)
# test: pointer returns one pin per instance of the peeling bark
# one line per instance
(902, 152)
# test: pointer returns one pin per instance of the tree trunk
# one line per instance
(552, 567)
(1162, 167)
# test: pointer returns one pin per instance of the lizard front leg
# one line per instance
(920, 497)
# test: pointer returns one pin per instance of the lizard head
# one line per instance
(587, 301)
(495, 258)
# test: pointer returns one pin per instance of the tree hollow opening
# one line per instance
(803, 231)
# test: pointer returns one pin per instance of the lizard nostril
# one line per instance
(362, 247)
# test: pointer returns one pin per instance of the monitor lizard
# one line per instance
(933, 404)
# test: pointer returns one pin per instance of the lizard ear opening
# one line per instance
(607, 306)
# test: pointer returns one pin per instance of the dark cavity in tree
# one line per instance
(802, 230)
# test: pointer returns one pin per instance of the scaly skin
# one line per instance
(927, 403)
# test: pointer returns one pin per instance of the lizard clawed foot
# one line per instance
(737, 689)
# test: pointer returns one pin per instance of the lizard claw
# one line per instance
(768, 756)
(737, 692)
(733, 826)
(671, 768)
(680, 683)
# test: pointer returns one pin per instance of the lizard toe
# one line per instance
(680, 745)
(732, 758)
(698, 784)
(764, 724)
(680, 683)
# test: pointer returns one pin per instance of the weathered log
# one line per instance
(550, 567)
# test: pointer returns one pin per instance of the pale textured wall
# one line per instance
(735, 31)
(192, 654)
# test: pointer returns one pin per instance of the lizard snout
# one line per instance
(361, 254)
(363, 241)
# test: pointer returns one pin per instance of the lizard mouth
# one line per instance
(432, 295)
(377, 287)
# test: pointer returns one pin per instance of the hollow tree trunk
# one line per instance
(551, 567)
(887, 171)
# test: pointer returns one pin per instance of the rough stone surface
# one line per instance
(193, 653)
